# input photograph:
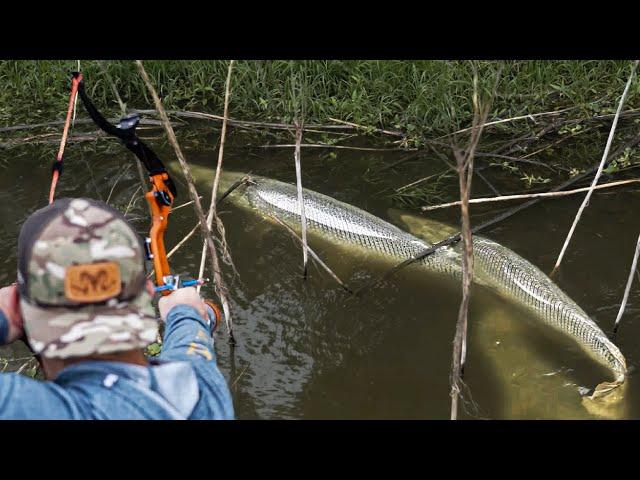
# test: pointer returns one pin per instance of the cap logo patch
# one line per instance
(92, 282)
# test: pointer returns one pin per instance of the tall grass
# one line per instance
(421, 97)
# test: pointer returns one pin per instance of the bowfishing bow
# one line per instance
(57, 165)
(160, 198)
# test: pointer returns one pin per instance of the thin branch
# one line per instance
(408, 157)
(605, 155)
(303, 216)
(508, 120)
(625, 298)
(28, 364)
(417, 182)
(181, 242)
(80, 121)
(557, 142)
(488, 183)
(465, 176)
(124, 170)
(514, 159)
(340, 147)
(531, 195)
(132, 200)
(185, 204)
(54, 138)
(204, 228)
(312, 253)
(112, 85)
(393, 133)
(240, 123)
(216, 181)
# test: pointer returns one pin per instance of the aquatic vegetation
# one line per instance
(418, 97)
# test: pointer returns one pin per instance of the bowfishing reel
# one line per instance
(214, 315)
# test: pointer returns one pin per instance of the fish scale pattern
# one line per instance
(496, 266)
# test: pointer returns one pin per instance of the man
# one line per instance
(84, 304)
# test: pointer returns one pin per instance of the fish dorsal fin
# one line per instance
(424, 228)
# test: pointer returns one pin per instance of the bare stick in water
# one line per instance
(504, 198)
(216, 180)
(605, 155)
(634, 265)
(303, 217)
(197, 206)
(464, 161)
(312, 253)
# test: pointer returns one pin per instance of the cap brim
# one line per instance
(59, 332)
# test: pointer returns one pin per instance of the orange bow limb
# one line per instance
(160, 200)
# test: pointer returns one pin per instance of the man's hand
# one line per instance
(182, 296)
(10, 306)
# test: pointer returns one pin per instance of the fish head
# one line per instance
(431, 231)
(228, 179)
(205, 174)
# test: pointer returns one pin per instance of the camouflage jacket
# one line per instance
(184, 383)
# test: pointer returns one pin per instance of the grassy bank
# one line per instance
(421, 98)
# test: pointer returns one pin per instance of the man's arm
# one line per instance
(187, 334)
(11, 324)
(187, 337)
(22, 397)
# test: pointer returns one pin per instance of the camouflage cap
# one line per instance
(81, 278)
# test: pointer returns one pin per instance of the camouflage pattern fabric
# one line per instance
(84, 291)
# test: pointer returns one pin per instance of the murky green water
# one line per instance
(309, 350)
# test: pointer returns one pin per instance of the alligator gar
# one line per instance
(496, 266)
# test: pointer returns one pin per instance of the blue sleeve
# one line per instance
(4, 328)
(187, 336)
(22, 398)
